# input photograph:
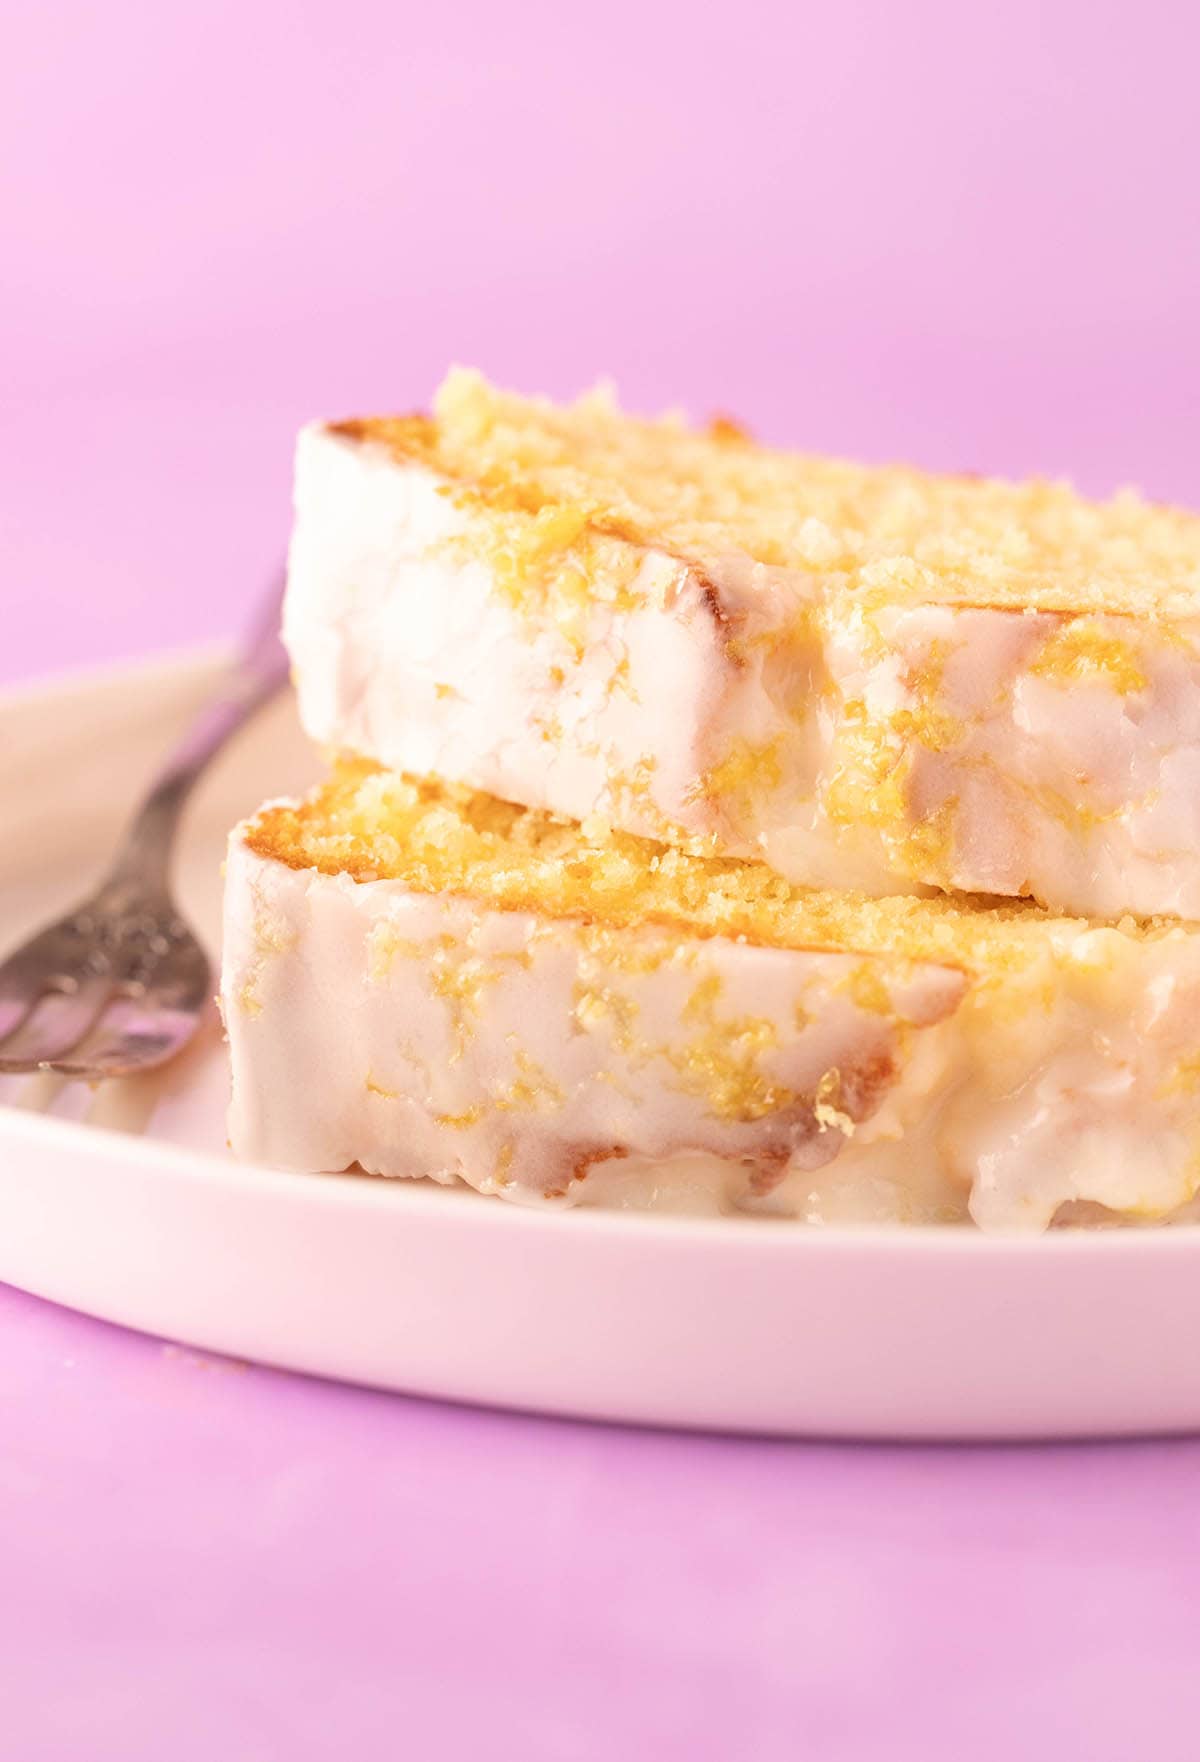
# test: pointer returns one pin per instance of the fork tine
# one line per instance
(127, 1038)
(58, 1022)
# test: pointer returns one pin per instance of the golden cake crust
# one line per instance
(372, 824)
(887, 533)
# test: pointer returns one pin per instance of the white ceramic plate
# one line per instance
(124, 1203)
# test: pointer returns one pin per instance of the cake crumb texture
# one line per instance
(436, 837)
(889, 533)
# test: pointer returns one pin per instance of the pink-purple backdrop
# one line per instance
(962, 233)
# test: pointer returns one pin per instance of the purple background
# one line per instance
(961, 234)
(966, 235)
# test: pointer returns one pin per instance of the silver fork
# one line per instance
(120, 983)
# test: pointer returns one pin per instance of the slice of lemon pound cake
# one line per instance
(426, 981)
(865, 677)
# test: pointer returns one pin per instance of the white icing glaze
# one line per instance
(420, 1034)
(402, 652)
(879, 746)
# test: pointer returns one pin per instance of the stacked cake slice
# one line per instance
(671, 770)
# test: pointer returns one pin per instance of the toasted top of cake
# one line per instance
(435, 837)
(881, 531)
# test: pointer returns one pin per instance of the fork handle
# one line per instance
(259, 671)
